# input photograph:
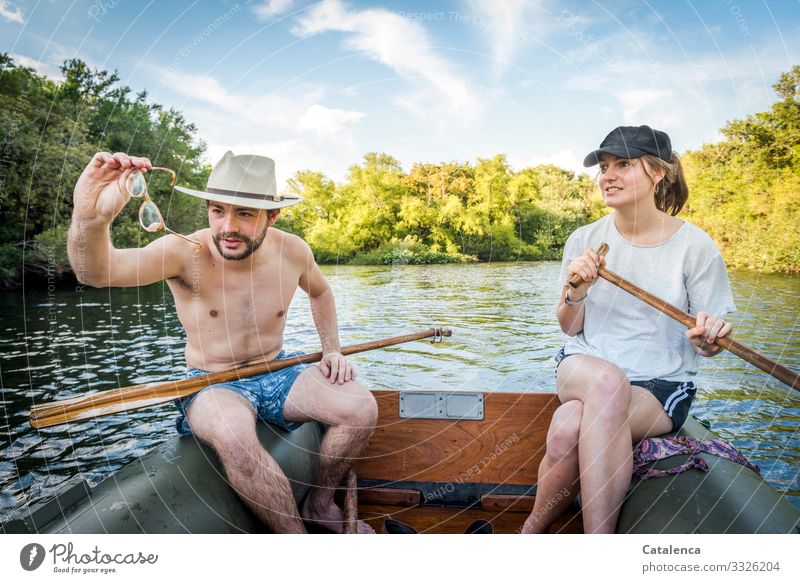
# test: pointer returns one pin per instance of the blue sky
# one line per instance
(315, 85)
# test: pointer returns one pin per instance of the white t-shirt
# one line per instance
(686, 270)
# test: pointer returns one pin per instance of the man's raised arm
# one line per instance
(98, 200)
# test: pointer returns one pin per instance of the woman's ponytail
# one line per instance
(672, 192)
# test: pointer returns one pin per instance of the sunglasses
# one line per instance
(134, 184)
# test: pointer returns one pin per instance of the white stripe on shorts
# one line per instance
(675, 398)
(678, 395)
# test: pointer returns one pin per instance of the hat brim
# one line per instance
(240, 201)
(618, 151)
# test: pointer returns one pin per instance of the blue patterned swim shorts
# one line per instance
(267, 393)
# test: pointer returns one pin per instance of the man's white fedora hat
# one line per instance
(247, 181)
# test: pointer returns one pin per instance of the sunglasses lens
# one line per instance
(150, 218)
(135, 184)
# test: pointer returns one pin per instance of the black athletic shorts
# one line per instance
(675, 397)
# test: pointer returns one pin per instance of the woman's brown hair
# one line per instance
(672, 192)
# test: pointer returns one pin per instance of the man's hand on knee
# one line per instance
(336, 368)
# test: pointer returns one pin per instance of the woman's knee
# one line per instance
(564, 432)
(610, 393)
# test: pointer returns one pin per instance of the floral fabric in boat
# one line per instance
(658, 448)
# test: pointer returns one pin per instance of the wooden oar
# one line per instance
(148, 394)
(770, 367)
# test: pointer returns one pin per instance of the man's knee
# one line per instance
(355, 408)
(562, 438)
(361, 411)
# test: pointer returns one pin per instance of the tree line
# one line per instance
(745, 190)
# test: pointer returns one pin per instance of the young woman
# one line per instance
(625, 372)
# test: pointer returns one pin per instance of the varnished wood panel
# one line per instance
(504, 448)
(429, 520)
(497, 502)
(395, 497)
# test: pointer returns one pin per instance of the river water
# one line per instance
(64, 342)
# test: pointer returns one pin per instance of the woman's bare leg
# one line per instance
(614, 413)
(557, 485)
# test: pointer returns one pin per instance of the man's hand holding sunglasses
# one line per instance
(98, 197)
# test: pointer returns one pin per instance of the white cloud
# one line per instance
(266, 124)
(566, 159)
(42, 68)
(639, 106)
(275, 111)
(399, 43)
(11, 12)
(271, 8)
(325, 120)
(688, 95)
(503, 24)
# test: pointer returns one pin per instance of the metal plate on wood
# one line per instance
(441, 405)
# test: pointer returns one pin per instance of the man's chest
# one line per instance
(260, 297)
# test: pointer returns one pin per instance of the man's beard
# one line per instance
(250, 245)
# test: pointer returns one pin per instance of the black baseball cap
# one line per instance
(632, 142)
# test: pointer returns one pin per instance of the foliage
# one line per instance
(745, 190)
(435, 213)
(51, 130)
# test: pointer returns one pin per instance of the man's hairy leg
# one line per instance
(227, 422)
(350, 412)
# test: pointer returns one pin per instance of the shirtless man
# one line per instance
(232, 290)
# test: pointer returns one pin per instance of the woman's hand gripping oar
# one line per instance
(746, 353)
(148, 394)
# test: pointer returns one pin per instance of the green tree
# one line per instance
(51, 131)
(745, 190)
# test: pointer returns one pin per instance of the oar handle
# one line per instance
(148, 394)
(746, 353)
(757, 359)
(576, 279)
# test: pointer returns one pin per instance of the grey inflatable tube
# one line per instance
(178, 487)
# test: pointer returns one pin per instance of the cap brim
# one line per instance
(240, 201)
(618, 151)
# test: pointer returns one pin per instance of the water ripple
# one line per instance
(504, 338)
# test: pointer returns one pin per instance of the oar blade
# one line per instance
(55, 418)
